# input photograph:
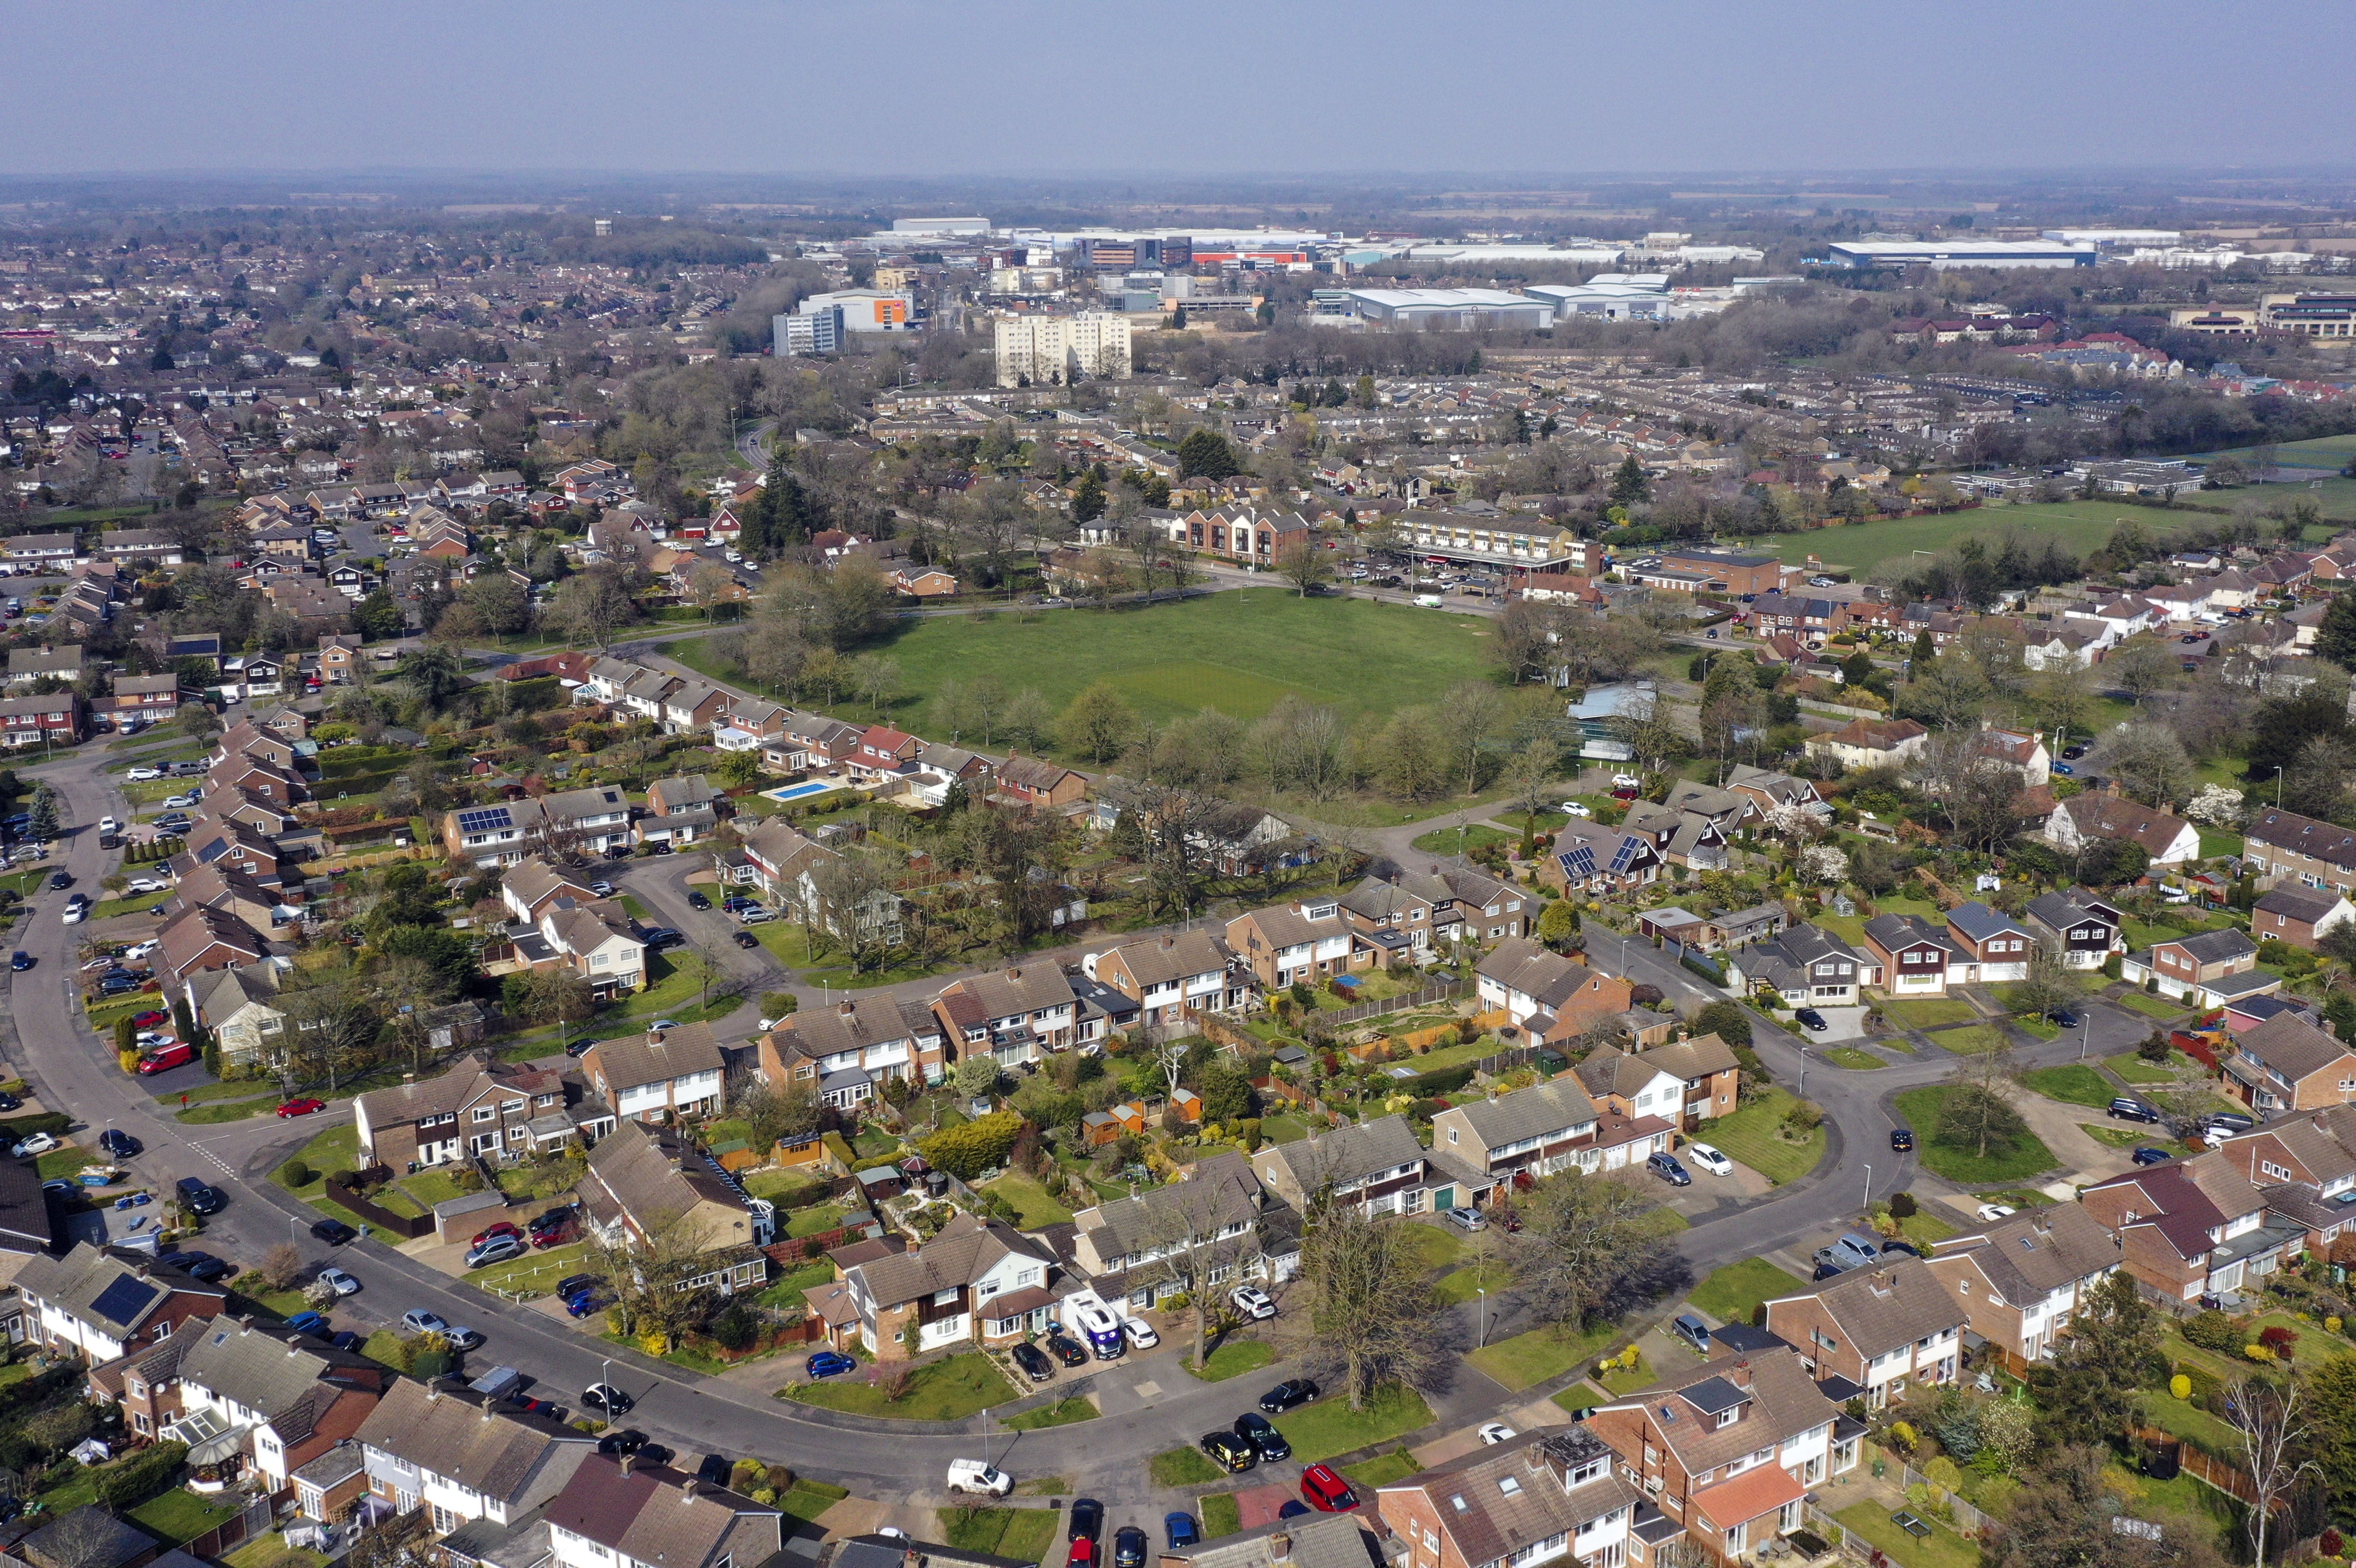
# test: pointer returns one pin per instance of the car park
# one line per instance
(335, 1232)
(1901, 1139)
(1325, 1490)
(304, 1107)
(1265, 1439)
(1229, 1452)
(2126, 1108)
(1033, 1362)
(1709, 1160)
(339, 1282)
(1288, 1395)
(1252, 1301)
(1666, 1167)
(977, 1476)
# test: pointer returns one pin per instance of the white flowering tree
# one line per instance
(1790, 821)
(2216, 806)
(1823, 863)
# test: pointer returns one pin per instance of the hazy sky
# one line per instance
(1033, 87)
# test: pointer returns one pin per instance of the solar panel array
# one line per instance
(489, 820)
(124, 1300)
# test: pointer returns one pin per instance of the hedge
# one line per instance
(1425, 1085)
(142, 1475)
(14, 1127)
(966, 1152)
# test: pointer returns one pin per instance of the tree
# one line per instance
(433, 674)
(1208, 454)
(2063, 1517)
(854, 908)
(591, 606)
(1304, 564)
(2267, 1417)
(1590, 1240)
(280, 1266)
(2051, 986)
(196, 721)
(977, 1074)
(2140, 668)
(1629, 483)
(2151, 765)
(2087, 1390)
(1371, 1303)
(1098, 722)
(41, 816)
(1089, 497)
(378, 617)
(1184, 1227)
(1728, 1020)
(1530, 779)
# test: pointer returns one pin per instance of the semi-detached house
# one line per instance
(2289, 1064)
(643, 1183)
(2192, 1227)
(480, 1107)
(1143, 1248)
(846, 1050)
(1686, 1083)
(654, 1076)
(1553, 997)
(1170, 977)
(1544, 1498)
(977, 1279)
(627, 1513)
(1377, 1166)
(105, 1301)
(1885, 1328)
(1298, 944)
(1014, 1014)
(1545, 1128)
(2021, 1280)
(464, 1455)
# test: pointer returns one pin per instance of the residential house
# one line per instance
(201, 938)
(692, 708)
(1769, 791)
(1587, 857)
(2289, 1064)
(1530, 1499)
(2079, 929)
(2192, 1228)
(2022, 1279)
(104, 1302)
(2206, 969)
(659, 1075)
(2081, 820)
(50, 719)
(1031, 781)
(1302, 942)
(239, 1005)
(1884, 1327)
(1678, 838)
(1171, 977)
(91, 1537)
(531, 885)
(2298, 916)
(1914, 956)
(1808, 966)
(2284, 847)
(884, 750)
(629, 1514)
(464, 1455)
(27, 666)
(794, 868)
(597, 941)
(230, 890)
(1378, 1166)
(977, 1280)
(846, 1050)
(1540, 1130)
(238, 846)
(644, 1183)
(2024, 755)
(1015, 1014)
(1440, 906)
(339, 657)
(1305, 1540)
(1870, 743)
(147, 698)
(1992, 947)
(478, 1106)
(1729, 1449)
(1553, 997)
(1686, 1084)
(590, 821)
(681, 811)
(1217, 1218)
(2304, 1165)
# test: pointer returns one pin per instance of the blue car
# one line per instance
(830, 1363)
(2065, 1018)
(310, 1323)
(582, 1304)
(2064, 768)
(20, 962)
(2149, 1155)
(1179, 1530)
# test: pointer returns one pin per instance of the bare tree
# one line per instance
(2266, 1417)
(1305, 565)
(1196, 1233)
(1590, 1236)
(1371, 1303)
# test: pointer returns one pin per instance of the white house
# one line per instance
(661, 1074)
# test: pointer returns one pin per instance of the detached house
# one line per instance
(2289, 1064)
(531, 885)
(662, 1074)
(2021, 1280)
(1870, 743)
(2081, 820)
(2192, 1227)
(1808, 966)
(1588, 856)
(1914, 954)
(2081, 929)
(1377, 1166)
(978, 1279)
(479, 1107)
(2206, 969)
(1685, 1084)
(1883, 1328)
(679, 811)
(1991, 947)
(239, 1005)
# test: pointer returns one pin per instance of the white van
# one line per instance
(979, 1476)
(1427, 601)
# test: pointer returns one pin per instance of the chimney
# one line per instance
(1168, 942)
(626, 1461)
(1881, 1277)
(1014, 973)
(687, 1485)
(1280, 1547)
(1739, 1374)
(654, 1037)
(846, 1008)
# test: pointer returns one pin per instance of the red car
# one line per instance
(1082, 1555)
(301, 1107)
(150, 1020)
(1326, 1491)
(504, 1228)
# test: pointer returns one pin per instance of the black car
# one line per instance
(1909, 1248)
(661, 936)
(1285, 1395)
(118, 1143)
(697, 900)
(1902, 1138)
(1066, 1351)
(1086, 1521)
(1128, 1547)
(2062, 1017)
(200, 1197)
(1826, 1271)
(745, 939)
(548, 1222)
(208, 1268)
(2127, 1109)
(2149, 1155)
(335, 1232)
(625, 1441)
(1035, 1366)
(61, 880)
(716, 1468)
(2072, 754)
(1229, 1452)
(9, 1101)
(1811, 1019)
(573, 1284)
(1266, 1440)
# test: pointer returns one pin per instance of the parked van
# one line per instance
(1098, 1322)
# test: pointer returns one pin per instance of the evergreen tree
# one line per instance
(1089, 497)
(2336, 638)
(1629, 483)
(1207, 453)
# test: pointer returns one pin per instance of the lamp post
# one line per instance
(2277, 787)
(1484, 1338)
(1868, 1187)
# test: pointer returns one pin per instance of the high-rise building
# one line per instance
(1050, 350)
(808, 331)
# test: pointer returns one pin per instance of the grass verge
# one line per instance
(947, 1390)
(1232, 1359)
(1962, 1162)
(1329, 1427)
(1729, 1293)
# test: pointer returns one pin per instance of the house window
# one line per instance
(484, 1113)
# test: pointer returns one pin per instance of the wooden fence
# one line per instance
(2231, 1479)
(1438, 991)
(376, 1213)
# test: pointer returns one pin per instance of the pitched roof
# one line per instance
(2289, 830)
(2027, 1256)
(464, 1436)
(1026, 988)
(1349, 1153)
(658, 1055)
(1503, 1500)
(649, 1176)
(661, 1517)
(1554, 1106)
(1979, 922)
(1159, 959)
(2116, 817)
(534, 881)
(1786, 1402)
(967, 1248)
(2214, 946)
(1221, 1189)
(468, 1079)
(107, 1289)
(2299, 903)
(1888, 1304)
(2295, 1048)
(1521, 964)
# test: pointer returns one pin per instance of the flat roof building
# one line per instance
(1451, 310)
(1944, 254)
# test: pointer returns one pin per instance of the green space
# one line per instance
(1460, 1285)
(2117, 1137)
(1383, 1469)
(1330, 1426)
(1978, 1039)
(1169, 660)
(1850, 1057)
(1579, 1396)
(789, 1188)
(2152, 1006)
(1942, 1548)
(181, 1515)
(807, 1499)
(789, 944)
(338, 1148)
(2081, 526)
(1621, 1381)
(1221, 1515)
(1063, 1412)
(1541, 1354)
(1729, 1293)
(1962, 1163)
(2214, 842)
(1924, 1229)
(2038, 1028)
(270, 1550)
(2136, 1070)
(1436, 1245)
(1233, 1359)
(534, 1273)
(226, 1110)
(1444, 840)
(1924, 1012)
(1182, 1467)
(2073, 1082)
(1754, 1136)
(947, 1390)
(1032, 1207)
(432, 1185)
(1019, 1532)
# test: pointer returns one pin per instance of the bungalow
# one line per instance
(2081, 820)
(1808, 966)
(2024, 755)
(1870, 743)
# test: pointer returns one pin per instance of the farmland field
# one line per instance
(1240, 652)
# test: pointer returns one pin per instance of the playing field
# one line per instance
(1238, 652)
(2081, 526)
(2329, 452)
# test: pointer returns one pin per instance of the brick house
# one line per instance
(1014, 1014)
(643, 1182)
(659, 1075)
(1307, 941)
(1687, 1083)
(2083, 928)
(1808, 966)
(2289, 1064)
(2022, 1279)
(1377, 1165)
(884, 750)
(1729, 1449)
(2192, 1227)
(1540, 1130)
(1587, 857)
(480, 1107)
(105, 1302)
(1883, 1327)
(1542, 1498)
(53, 719)
(1554, 998)
(1170, 977)
(2206, 969)
(1914, 956)
(201, 938)
(2284, 847)
(2297, 915)
(1029, 781)
(845, 1051)
(1991, 946)
(977, 1280)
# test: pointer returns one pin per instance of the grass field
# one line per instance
(1063, 1412)
(1030, 1200)
(1232, 1359)
(2073, 1082)
(1023, 1533)
(1330, 1426)
(1976, 1040)
(1729, 1293)
(1850, 1057)
(1238, 652)
(1222, 1515)
(1182, 1468)
(2136, 1070)
(1942, 1548)
(1540, 1354)
(1751, 1135)
(1962, 1163)
(2152, 1006)
(1924, 1012)
(2081, 526)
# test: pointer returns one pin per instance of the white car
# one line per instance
(147, 885)
(144, 775)
(1576, 808)
(1140, 1334)
(1252, 1301)
(979, 1476)
(1497, 1432)
(39, 1143)
(176, 800)
(1995, 1211)
(138, 950)
(149, 1038)
(75, 914)
(339, 1282)
(1709, 1160)
(1626, 780)
(108, 825)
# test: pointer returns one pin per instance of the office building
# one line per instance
(808, 331)
(1051, 350)
(2312, 316)
(940, 225)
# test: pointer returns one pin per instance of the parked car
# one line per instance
(603, 890)
(583, 1304)
(311, 1323)
(1265, 1439)
(1179, 1530)
(303, 1107)
(1326, 1491)
(1468, 1219)
(492, 1232)
(1128, 1547)
(697, 900)
(1812, 1021)
(745, 939)
(1493, 1431)
(2064, 768)
(346, 1339)
(1709, 1160)
(335, 1232)
(1995, 1211)
(2149, 1155)
(20, 961)
(1033, 1362)
(119, 1145)
(1252, 1301)
(979, 1477)
(149, 1020)
(418, 1320)
(2064, 1018)
(1902, 1138)
(1085, 1521)
(1229, 1452)
(498, 1249)
(1286, 1395)
(1066, 1351)
(1666, 1167)
(1692, 1330)
(2126, 1108)
(550, 1228)
(629, 1440)
(1140, 1333)
(171, 1056)
(200, 1196)
(607, 1398)
(61, 880)
(339, 1282)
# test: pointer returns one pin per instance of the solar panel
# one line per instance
(124, 1300)
(485, 821)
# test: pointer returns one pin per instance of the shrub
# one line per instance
(2180, 1387)
(1902, 1436)
(1903, 1206)
(142, 1475)
(966, 1152)
(298, 1173)
(1942, 1473)
(2212, 1330)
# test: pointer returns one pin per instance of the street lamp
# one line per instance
(2277, 787)
(1868, 1187)
(1482, 1291)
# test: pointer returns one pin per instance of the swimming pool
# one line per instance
(801, 791)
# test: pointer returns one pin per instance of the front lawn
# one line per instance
(1541, 1354)
(2073, 1082)
(1233, 1359)
(1923, 1012)
(1977, 1040)
(1330, 1426)
(807, 1499)
(2152, 1006)
(1222, 1516)
(1182, 1467)
(2117, 1137)
(1493, 1274)
(1729, 1293)
(1754, 1136)
(1621, 1381)
(1963, 1163)
(1383, 1469)
(949, 1389)
(1023, 1533)
(532, 1274)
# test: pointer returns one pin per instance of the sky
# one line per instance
(915, 87)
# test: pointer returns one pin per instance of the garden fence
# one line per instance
(1968, 1519)
(1507, 1060)
(1439, 991)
